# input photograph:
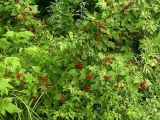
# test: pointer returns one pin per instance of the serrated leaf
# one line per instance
(11, 108)
(102, 4)
(115, 35)
(106, 31)
(12, 63)
(83, 74)
(36, 69)
(4, 86)
(57, 96)
(34, 8)
(9, 34)
(72, 72)
(24, 35)
(4, 44)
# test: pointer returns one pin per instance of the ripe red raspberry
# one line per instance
(86, 88)
(31, 29)
(79, 66)
(105, 77)
(34, 97)
(125, 8)
(18, 75)
(43, 78)
(101, 26)
(89, 76)
(98, 34)
(142, 86)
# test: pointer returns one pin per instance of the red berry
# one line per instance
(62, 100)
(86, 88)
(125, 8)
(142, 86)
(105, 77)
(98, 34)
(107, 59)
(85, 29)
(89, 76)
(22, 13)
(40, 84)
(31, 29)
(43, 78)
(112, 5)
(18, 75)
(25, 6)
(34, 97)
(101, 26)
(47, 86)
(79, 66)
(112, 14)
(16, 18)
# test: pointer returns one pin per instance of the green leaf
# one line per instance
(24, 35)
(37, 69)
(102, 4)
(12, 63)
(115, 35)
(106, 31)
(34, 8)
(72, 72)
(83, 74)
(57, 96)
(4, 86)
(4, 44)
(11, 108)
(6, 105)
(9, 34)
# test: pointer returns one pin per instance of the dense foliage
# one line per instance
(80, 60)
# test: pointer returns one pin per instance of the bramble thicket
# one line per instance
(79, 59)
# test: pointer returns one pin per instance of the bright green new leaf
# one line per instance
(4, 86)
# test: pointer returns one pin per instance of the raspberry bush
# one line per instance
(83, 60)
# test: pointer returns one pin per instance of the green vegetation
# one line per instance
(79, 60)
